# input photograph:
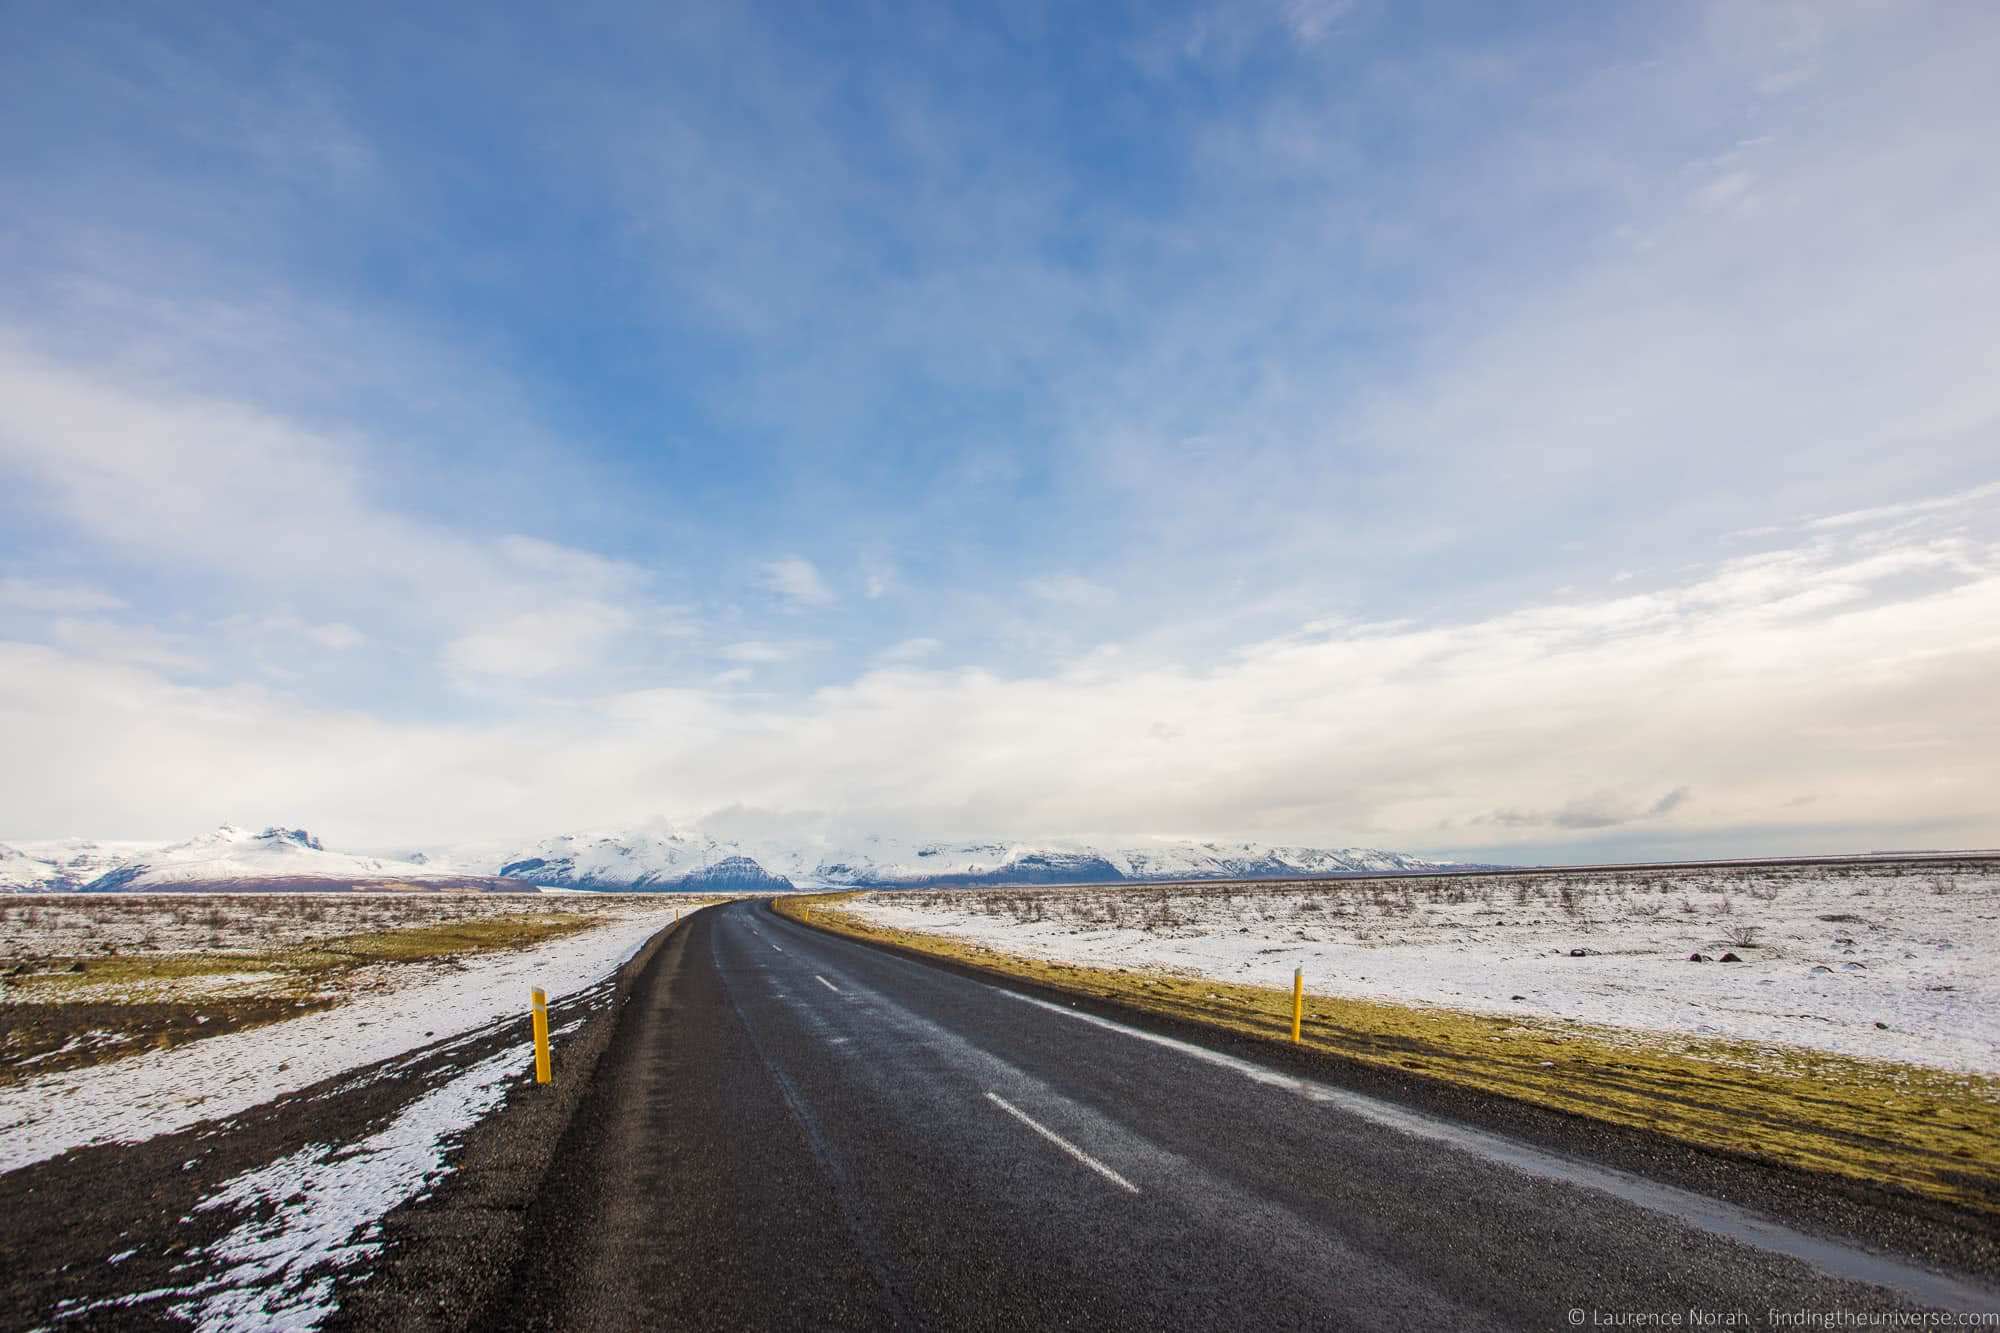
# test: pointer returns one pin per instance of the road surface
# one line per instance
(795, 1130)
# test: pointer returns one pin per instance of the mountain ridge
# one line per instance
(665, 860)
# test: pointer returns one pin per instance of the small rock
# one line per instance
(1583, 953)
(1698, 958)
(1854, 967)
(1729, 958)
(1822, 967)
(74, 967)
(1882, 1025)
(1517, 997)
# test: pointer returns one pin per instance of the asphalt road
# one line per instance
(794, 1130)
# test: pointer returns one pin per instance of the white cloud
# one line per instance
(216, 489)
(129, 645)
(798, 582)
(1934, 504)
(763, 651)
(335, 635)
(909, 650)
(1310, 21)
(25, 594)
(1068, 590)
(538, 643)
(878, 578)
(1848, 680)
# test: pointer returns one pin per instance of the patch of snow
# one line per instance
(1503, 946)
(319, 1210)
(158, 1092)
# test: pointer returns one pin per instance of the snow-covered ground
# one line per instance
(159, 1092)
(257, 924)
(1895, 962)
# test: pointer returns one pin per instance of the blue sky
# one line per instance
(1541, 432)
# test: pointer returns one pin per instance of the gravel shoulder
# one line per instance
(282, 1212)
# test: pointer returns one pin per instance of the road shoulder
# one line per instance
(450, 1256)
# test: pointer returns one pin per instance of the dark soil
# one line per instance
(44, 1038)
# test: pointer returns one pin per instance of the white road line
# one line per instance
(824, 982)
(1686, 1206)
(1061, 1142)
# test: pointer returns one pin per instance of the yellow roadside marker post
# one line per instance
(1298, 1000)
(541, 1003)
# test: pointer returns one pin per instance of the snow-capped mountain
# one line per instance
(660, 858)
(21, 873)
(880, 862)
(70, 863)
(694, 859)
(228, 858)
(233, 854)
(639, 861)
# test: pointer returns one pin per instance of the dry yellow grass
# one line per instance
(1925, 1131)
(74, 1011)
(306, 966)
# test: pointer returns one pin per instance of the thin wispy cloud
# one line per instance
(798, 582)
(25, 594)
(1067, 590)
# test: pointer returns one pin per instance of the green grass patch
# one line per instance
(407, 944)
(1925, 1131)
(54, 976)
(450, 938)
(129, 1002)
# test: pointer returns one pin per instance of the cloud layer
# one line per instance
(1836, 685)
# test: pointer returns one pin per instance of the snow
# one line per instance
(159, 1092)
(662, 856)
(639, 858)
(232, 853)
(225, 854)
(73, 862)
(318, 1210)
(1913, 976)
(81, 925)
(20, 872)
(316, 1213)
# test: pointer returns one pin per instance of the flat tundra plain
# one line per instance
(91, 978)
(1890, 961)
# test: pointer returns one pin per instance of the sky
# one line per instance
(1521, 433)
